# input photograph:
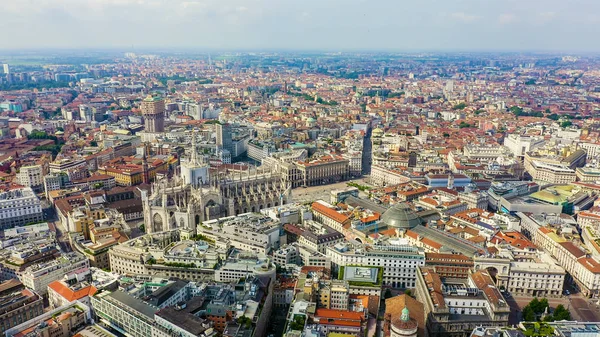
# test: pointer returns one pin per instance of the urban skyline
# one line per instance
(270, 170)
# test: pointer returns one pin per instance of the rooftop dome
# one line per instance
(401, 216)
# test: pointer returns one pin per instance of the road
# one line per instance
(61, 236)
(372, 327)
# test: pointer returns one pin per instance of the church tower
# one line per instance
(145, 168)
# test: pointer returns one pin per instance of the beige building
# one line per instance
(588, 174)
(381, 176)
(31, 176)
(325, 170)
(534, 274)
(454, 309)
(333, 294)
(551, 173)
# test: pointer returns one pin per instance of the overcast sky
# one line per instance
(454, 25)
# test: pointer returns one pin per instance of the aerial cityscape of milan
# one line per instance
(263, 168)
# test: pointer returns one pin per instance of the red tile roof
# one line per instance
(69, 294)
(590, 264)
(573, 249)
(330, 213)
(339, 314)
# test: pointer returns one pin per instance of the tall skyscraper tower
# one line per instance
(6, 68)
(153, 110)
(224, 137)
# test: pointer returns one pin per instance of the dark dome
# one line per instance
(401, 216)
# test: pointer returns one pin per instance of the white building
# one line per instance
(259, 150)
(31, 176)
(355, 162)
(519, 144)
(19, 207)
(592, 150)
(38, 276)
(381, 176)
(551, 173)
(399, 262)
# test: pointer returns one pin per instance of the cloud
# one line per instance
(464, 17)
(506, 18)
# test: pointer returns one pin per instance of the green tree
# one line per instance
(565, 124)
(408, 292)
(298, 322)
(543, 305)
(528, 314)
(561, 313)
(459, 106)
(387, 294)
(518, 111)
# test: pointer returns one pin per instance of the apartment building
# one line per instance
(524, 272)
(588, 174)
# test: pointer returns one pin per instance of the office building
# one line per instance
(399, 262)
(225, 137)
(19, 207)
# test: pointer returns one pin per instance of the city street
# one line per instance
(61, 237)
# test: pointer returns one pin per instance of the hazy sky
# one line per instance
(556, 25)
